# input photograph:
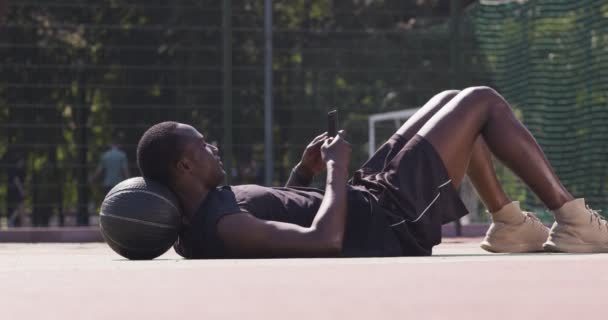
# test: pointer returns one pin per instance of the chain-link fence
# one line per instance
(549, 59)
(80, 74)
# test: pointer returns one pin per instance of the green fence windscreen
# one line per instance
(549, 59)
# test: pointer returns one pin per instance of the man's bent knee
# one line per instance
(447, 94)
(482, 92)
(443, 97)
(487, 96)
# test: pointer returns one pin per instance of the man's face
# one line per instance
(200, 160)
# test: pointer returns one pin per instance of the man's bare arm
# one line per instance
(310, 165)
(246, 235)
(299, 177)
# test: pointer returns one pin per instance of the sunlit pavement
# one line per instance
(461, 281)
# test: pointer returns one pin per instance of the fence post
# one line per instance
(455, 65)
(82, 147)
(268, 154)
(227, 87)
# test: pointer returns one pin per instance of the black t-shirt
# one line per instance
(367, 232)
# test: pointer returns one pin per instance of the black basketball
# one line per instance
(140, 218)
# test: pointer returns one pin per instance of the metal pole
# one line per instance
(455, 62)
(371, 148)
(269, 166)
(227, 86)
(455, 54)
(82, 118)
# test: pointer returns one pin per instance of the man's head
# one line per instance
(175, 154)
(114, 142)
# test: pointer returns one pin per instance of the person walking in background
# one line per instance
(114, 165)
(15, 196)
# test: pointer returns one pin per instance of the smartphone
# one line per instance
(332, 123)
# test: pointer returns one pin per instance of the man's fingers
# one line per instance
(339, 137)
(318, 143)
(318, 138)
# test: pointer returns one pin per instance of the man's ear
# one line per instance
(183, 165)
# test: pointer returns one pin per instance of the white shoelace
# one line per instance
(532, 216)
(595, 216)
(535, 220)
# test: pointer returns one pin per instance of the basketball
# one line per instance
(140, 219)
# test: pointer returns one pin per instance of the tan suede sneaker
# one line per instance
(514, 231)
(578, 229)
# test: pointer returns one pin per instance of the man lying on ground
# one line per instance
(394, 205)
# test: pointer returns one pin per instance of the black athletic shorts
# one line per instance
(413, 188)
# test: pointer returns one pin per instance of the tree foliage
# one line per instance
(78, 73)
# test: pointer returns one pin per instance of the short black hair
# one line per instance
(159, 148)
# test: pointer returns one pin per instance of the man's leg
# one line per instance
(512, 229)
(480, 169)
(477, 111)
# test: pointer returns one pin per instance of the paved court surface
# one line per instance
(88, 281)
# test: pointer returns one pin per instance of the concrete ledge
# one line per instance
(93, 234)
(473, 230)
(52, 234)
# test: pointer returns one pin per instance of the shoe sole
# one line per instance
(520, 248)
(551, 246)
